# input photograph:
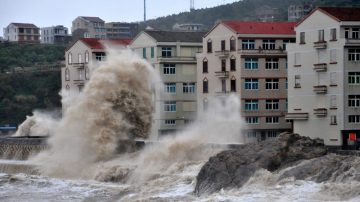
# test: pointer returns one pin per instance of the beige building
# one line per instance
(324, 76)
(22, 33)
(88, 27)
(82, 55)
(248, 59)
(172, 53)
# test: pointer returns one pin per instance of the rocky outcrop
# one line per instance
(233, 168)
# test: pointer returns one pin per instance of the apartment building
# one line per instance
(121, 30)
(88, 27)
(22, 33)
(82, 55)
(296, 12)
(193, 27)
(172, 53)
(248, 59)
(324, 76)
(55, 35)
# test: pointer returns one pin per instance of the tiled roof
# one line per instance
(277, 28)
(174, 36)
(92, 19)
(24, 25)
(99, 43)
(343, 13)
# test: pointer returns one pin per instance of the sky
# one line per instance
(45, 13)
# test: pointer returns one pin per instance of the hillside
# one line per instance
(244, 10)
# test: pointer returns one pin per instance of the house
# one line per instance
(324, 76)
(121, 30)
(248, 59)
(296, 12)
(88, 27)
(22, 33)
(172, 53)
(55, 35)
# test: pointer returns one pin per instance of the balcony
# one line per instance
(352, 42)
(179, 59)
(320, 44)
(79, 81)
(222, 74)
(320, 67)
(297, 116)
(262, 52)
(222, 53)
(320, 111)
(321, 89)
(78, 65)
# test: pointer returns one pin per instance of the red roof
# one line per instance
(276, 28)
(99, 43)
(343, 13)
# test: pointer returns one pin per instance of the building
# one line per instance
(296, 12)
(248, 59)
(266, 14)
(88, 27)
(55, 35)
(194, 27)
(83, 54)
(172, 53)
(324, 76)
(22, 33)
(121, 30)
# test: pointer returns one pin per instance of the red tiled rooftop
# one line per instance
(343, 13)
(277, 28)
(99, 43)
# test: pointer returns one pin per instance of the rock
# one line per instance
(233, 168)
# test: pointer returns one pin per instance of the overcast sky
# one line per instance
(45, 13)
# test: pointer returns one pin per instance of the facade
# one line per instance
(55, 35)
(88, 27)
(22, 33)
(194, 27)
(82, 55)
(121, 30)
(296, 12)
(324, 76)
(248, 59)
(172, 53)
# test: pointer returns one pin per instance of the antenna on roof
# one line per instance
(144, 10)
(192, 7)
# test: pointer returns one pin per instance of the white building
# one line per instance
(324, 76)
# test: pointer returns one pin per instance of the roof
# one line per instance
(276, 28)
(174, 36)
(92, 19)
(24, 25)
(99, 43)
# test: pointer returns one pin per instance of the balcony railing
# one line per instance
(179, 59)
(262, 52)
(222, 53)
(353, 42)
(320, 111)
(320, 89)
(78, 65)
(222, 74)
(297, 116)
(321, 67)
(320, 44)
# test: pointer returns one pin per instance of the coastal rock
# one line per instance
(233, 168)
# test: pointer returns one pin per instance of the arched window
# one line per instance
(233, 84)
(69, 58)
(67, 74)
(205, 86)
(79, 58)
(232, 63)
(209, 46)
(232, 43)
(205, 65)
(87, 73)
(87, 57)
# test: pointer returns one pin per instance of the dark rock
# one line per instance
(233, 168)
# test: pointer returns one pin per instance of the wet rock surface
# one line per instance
(233, 168)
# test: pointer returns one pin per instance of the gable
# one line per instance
(143, 40)
(317, 20)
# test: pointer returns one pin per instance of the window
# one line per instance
(205, 86)
(297, 81)
(188, 87)
(223, 65)
(286, 41)
(100, 56)
(272, 134)
(170, 122)
(166, 52)
(209, 46)
(144, 52)
(251, 105)
(251, 84)
(67, 74)
(86, 57)
(333, 58)
(333, 81)
(272, 104)
(170, 87)
(272, 63)
(170, 106)
(333, 34)
(69, 58)
(223, 45)
(354, 119)
(347, 32)
(354, 54)
(321, 35)
(354, 78)
(297, 59)
(333, 120)
(205, 66)
(87, 73)
(232, 44)
(252, 120)
(286, 83)
(268, 44)
(333, 101)
(152, 52)
(79, 58)
(233, 85)
(251, 63)
(80, 74)
(272, 119)
(169, 69)
(272, 84)
(232, 64)
(251, 134)
(354, 100)
(355, 33)
(302, 37)
(223, 85)
(248, 44)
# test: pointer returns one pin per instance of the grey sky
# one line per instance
(61, 12)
